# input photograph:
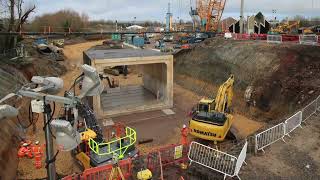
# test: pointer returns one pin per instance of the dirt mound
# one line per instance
(283, 76)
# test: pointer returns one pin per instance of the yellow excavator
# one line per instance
(285, 28)
(212, 119)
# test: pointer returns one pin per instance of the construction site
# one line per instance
(207, 96)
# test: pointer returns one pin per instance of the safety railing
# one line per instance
(103, 172)
(118, 146)
(274, 39)
(308, 39)
(275, 133)
(10, 53)
(309, 110)
(293, 122)
(241, 36)
(270, 136)
(318, 104)
(241, 158)
(216, 160)
(155, 161)
(171, 154)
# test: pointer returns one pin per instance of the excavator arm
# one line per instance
(224, 96)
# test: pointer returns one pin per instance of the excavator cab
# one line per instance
(205, 105)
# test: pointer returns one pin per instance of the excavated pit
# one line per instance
(284, 77)
(14, 74)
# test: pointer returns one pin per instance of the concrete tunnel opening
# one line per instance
(148, 86)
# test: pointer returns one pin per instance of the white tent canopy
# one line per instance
(134, 27)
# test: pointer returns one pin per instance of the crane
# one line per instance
(210, 13)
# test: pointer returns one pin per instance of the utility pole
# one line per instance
(116, 26)
(241, 17)
(51, 167)
(168, 19)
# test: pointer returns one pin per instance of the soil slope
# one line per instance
(284, 76)
(13, 74)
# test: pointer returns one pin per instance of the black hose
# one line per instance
(49, 120)
(74, 84)
(24, 127)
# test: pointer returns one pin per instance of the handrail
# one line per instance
(117, 147)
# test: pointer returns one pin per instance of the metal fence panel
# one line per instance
(274, 39)
(308, 39)
(309, 110)
(293, 122)
(241, 158)
(212, 159)
(318, 103)
(10, 53)
(270, 136)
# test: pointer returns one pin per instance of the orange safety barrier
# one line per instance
(103, 172)
(294, 38)
(156, 161)
(168, 156)
(258, 36)
(242, 36)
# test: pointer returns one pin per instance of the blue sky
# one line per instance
(156, 9)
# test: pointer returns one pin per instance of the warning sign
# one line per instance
(178, 152)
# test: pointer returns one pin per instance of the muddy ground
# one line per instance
(298, 158)
(165, 129)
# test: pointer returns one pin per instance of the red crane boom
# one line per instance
(210, 12)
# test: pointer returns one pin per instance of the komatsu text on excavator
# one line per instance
(212, 119)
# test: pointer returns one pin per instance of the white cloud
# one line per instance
(156, 9)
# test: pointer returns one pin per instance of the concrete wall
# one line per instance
(155, 79)
(86, 59)
(157, 73)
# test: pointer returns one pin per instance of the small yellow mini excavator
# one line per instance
(212, 119)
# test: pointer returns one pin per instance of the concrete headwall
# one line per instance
(155, 79)
(157, 70)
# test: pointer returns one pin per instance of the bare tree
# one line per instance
(22, 15)
(11, 21)
(17, 17)
(15, 7)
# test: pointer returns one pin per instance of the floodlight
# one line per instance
(67, 137)
(50, 85)
(7, 111)
(91, 84)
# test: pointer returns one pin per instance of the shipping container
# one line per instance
(138, 41)
(129, 38)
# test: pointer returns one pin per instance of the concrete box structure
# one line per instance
(155, 92)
